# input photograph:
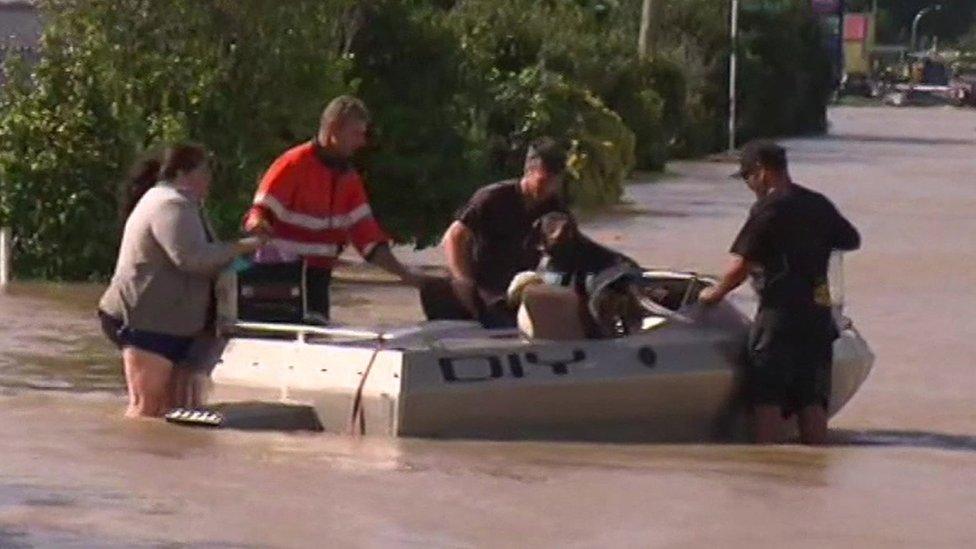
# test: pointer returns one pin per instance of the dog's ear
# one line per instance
(534, 240)
(571, 230)
(572, 225)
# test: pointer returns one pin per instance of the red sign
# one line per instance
(855, 27)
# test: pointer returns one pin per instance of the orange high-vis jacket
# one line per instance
(316, 209)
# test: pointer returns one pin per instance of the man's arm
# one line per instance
(735, 275)
(845, 236)
(751, 243)
(458, 243)
(370, 239)
(383, 257)
(270, 199)
(178, 229)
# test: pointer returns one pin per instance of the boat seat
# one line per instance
(550, 312)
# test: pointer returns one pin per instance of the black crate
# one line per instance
(272, 292)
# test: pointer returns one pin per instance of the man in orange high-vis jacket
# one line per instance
(312, 203)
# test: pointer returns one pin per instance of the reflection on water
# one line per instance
(107, 482)
(86, 370)
(97, 480)
(51, 340)
(904, 439)
(75, 474)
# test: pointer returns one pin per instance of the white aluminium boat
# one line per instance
(676, 379)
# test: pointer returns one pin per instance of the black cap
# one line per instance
(760, 152)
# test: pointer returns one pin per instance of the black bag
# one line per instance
(272, 292)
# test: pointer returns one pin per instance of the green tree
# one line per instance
(424, 160)
(785, 75)
(116, 77)
(457, 89)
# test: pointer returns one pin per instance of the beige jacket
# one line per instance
(164, 275)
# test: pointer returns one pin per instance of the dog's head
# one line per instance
(555, 234)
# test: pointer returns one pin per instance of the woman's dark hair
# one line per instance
(182, 158)
(160, 164)
(141, 178)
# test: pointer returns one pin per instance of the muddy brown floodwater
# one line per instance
(901, 471)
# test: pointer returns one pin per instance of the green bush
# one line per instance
(457, 89)
(119, 76)
(694, 38)
(68, 130)
(423, 161)
(537, 102)
(784, 83)
(524, 42)
(650, 99)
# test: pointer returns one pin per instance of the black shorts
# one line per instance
(317, 281)
(174, 348)
(441, 299)
(790, 359)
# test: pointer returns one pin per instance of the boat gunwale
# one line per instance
(345, 335)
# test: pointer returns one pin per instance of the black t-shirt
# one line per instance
(788, 237)
(501, 222)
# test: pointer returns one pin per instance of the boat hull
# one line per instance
(676, 382)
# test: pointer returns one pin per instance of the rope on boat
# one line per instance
(357, 419)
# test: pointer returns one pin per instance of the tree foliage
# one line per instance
(118, 77)
(457, 88)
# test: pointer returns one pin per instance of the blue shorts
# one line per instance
(174, 348)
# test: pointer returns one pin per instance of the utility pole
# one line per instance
(647, 37)
(734, 34)
(5, 262)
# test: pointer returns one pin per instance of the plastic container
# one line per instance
(835, 280)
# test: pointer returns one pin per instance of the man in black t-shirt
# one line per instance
(785, 245)
(488, 243)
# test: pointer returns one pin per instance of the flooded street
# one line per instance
(901, 471)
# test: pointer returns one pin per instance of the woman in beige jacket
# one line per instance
(161, 293)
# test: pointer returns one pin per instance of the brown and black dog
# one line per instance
(566, 249)
(604, 279)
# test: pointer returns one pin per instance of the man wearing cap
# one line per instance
(488, 243)
(785, 246)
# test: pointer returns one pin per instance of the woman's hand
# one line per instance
(256, 224)
(250, 244)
